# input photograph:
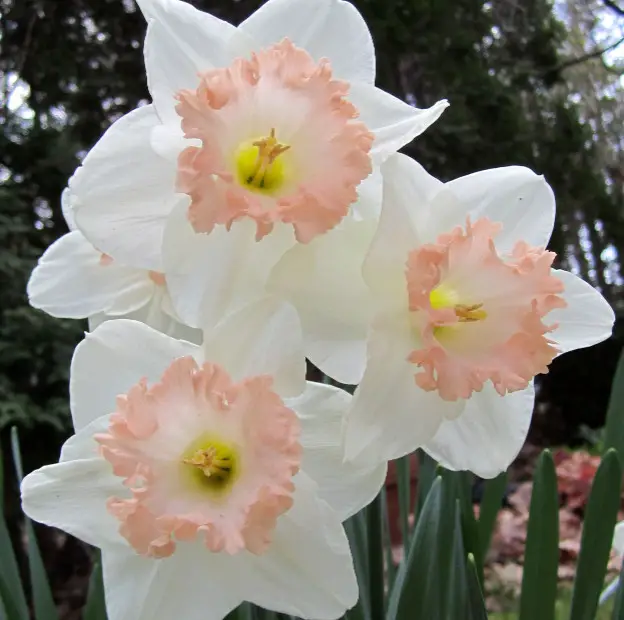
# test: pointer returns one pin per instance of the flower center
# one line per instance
(460, 344)
(210, 465)
(441, 298)
(260, 167)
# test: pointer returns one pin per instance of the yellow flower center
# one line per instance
(209, 464)
(443, 297)
(259, 165)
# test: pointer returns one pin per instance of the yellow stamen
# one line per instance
(260, 167)
(210, 464)
(469, 314)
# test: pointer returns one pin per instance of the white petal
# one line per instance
(110, 360)
(191, 584)
(323, 280)
(390, 415)
(346, 487)
(368, 204)
(618, 538)
(181, 41)
(588, 318)
(123, 192)
(324, 28)
(407, 190)
(212, 275)
(515, 196)
(263, 338)
(394, 122)
(487, 435)
(70, 282)
(72, 496)
(307, 571)
(67, 209)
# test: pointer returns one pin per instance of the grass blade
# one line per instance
(457, 586)
(355, 527)
(596, 539)
(539, 579)
(470, 527)
(43, 602)
(387, 540)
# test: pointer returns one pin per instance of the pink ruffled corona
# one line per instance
(279, 143)
(202, 457)
(479, 316)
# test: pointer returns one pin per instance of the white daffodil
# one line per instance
(469, 310)
(74, 280)
(217, 478)
(259, 138)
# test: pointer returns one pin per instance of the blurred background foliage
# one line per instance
(531, 82)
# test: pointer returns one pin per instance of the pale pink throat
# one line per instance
(478, 316)
(202, 457)
(279, 143)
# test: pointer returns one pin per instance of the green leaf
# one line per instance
(11, 591)
(95, 607)
(490, 505)
(470, 527)
(374, 528)
(355, 528)
(614, 426)
(404, 480)
(457, 579)
(541, 559)
(43, 602)
(600, 518)
(420, 588)
(476, 604)
(387, 540)
(426, 475)
(618, 606)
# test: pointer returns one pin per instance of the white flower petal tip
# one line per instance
(618, 538)
(394, 122)
(488, 434)
(168, 482)
(330, 29)
(586, 320)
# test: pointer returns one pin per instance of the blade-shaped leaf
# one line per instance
(596, 539)
(387, 540)
(355, 527)
(476, 604)
(539, 577)
(421, 585)
(618, 606)
(404, 475)
(457, 584)
(374, 528)
(426, 475)
(470, 528)
(614, 426)
(95, 607)
(11, 591)
(43, 602)
(491, 503)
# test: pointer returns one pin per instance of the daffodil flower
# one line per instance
(468, 311)
(74, 280)
(207, 475)
(260, 138)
